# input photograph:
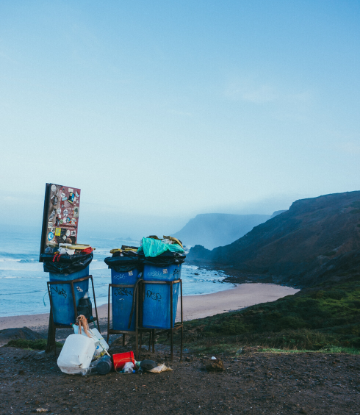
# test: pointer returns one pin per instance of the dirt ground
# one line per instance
(253, 383)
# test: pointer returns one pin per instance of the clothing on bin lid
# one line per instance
(152, 247)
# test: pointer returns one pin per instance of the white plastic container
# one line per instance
(76, 354)
(100, 343)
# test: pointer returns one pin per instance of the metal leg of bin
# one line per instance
(171, 321)
(108, 319)
(96, 312)
(182, 323)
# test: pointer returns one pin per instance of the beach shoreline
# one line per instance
(194, 306)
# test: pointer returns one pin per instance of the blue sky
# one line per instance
(162, 110)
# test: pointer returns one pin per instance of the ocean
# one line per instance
(23, 288)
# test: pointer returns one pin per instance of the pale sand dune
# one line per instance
(194, 306)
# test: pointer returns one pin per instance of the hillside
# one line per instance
(217, 229)
(317, 239)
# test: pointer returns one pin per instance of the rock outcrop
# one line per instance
(316, 239)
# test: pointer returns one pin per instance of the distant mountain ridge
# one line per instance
(315, 240)
(217, 229)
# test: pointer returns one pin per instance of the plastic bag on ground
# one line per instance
(160, 368)
(76, 354)
(128, 367)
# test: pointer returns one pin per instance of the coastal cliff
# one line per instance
(317, 239)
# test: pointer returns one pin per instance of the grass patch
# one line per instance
(323, 319)
(39, 344)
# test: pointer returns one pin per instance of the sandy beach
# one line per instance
(194, 306)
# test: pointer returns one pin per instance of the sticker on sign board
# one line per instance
(165, 271)
(76, 212)
(50, 236)
(70, 190)
(67, 233)
(61, 221)
(130, 273)
(73, 233)
(73, 221)
(57, 231)
(53, 188)
(71, 198)
(50, 224)
(66, 212)
(68, 220)
(58, 211)
(77, 194)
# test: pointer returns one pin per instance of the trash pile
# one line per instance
(86, 352)
(67, 258)
(157, 261)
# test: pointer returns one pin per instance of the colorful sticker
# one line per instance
(130, 273)
(73, 221)
(61, 221)
(57, 231)
(66, 212)
(50, 236)
(165, 271)
(77, 194)
(68, 220)
(71, 198)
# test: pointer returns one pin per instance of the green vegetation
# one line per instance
(321, 319)
(39, 344)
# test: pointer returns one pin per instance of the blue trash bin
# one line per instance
(125, 277)
(122, 301)
(62, 297)
(125, 270)
(156, 304)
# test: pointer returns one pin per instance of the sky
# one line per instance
(161, 110)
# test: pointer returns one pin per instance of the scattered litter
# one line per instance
(147, 365)
(104, 365)
(213, 358)
(76, 355)
(39, 410)
(214, 365)
(128, 368)
(160, 368)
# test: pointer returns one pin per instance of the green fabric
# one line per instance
(154, 247)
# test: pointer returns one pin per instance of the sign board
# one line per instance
(61, 216)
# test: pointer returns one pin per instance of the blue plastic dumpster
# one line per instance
(156, 304)
(122, 300)
(62, 297)
(125, 271)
